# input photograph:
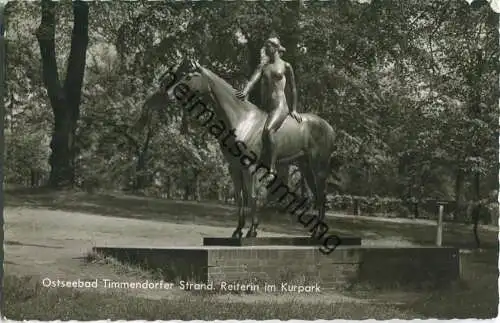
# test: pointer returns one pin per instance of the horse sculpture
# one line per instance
(238, 126)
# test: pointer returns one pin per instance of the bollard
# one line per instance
(439, 231)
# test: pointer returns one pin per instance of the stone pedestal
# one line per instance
(347, 265)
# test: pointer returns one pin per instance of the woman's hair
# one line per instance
(263, 56)
(264, 59)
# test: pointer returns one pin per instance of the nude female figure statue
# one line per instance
(273, 73)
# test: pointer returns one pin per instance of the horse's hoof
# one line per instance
(251, 234)
(237, 234)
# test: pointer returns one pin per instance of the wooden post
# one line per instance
(439, 229)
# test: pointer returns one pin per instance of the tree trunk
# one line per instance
(459, 185)
(475, 113)
(169, 188)
(65, 100)
(196, 189)
(143, 180)
(140, 173)
(416, 213)
(186, 192)
(184, 127)
(187, 187)
(34, 177)
(369, 179)
(477, 206)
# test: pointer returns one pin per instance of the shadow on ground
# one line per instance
(213, 213)
(17, 243)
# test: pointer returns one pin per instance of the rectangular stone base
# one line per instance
(377, 266)
(276, 241)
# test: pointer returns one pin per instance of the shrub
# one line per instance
(370, 205)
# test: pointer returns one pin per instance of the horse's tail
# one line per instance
(332, 146)
(335, 160)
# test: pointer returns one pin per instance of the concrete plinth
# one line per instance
(347, 265)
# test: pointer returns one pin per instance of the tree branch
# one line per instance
(77, 55)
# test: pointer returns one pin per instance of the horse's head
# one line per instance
(187, 73)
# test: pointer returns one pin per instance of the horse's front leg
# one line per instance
(238, 233)
(240, 202)
(252, 203)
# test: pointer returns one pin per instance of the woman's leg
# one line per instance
(273, 123)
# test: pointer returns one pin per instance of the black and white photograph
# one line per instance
(249, 160)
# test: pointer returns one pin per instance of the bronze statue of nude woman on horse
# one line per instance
(275, 130)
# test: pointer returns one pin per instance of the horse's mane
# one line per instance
(226, 89)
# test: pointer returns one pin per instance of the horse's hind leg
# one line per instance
(252, 203)
(307, 173)
(320, 172)
(321, 192)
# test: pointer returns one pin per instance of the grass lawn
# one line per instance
(26, 300)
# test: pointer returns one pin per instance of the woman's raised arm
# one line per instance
(253, 79)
